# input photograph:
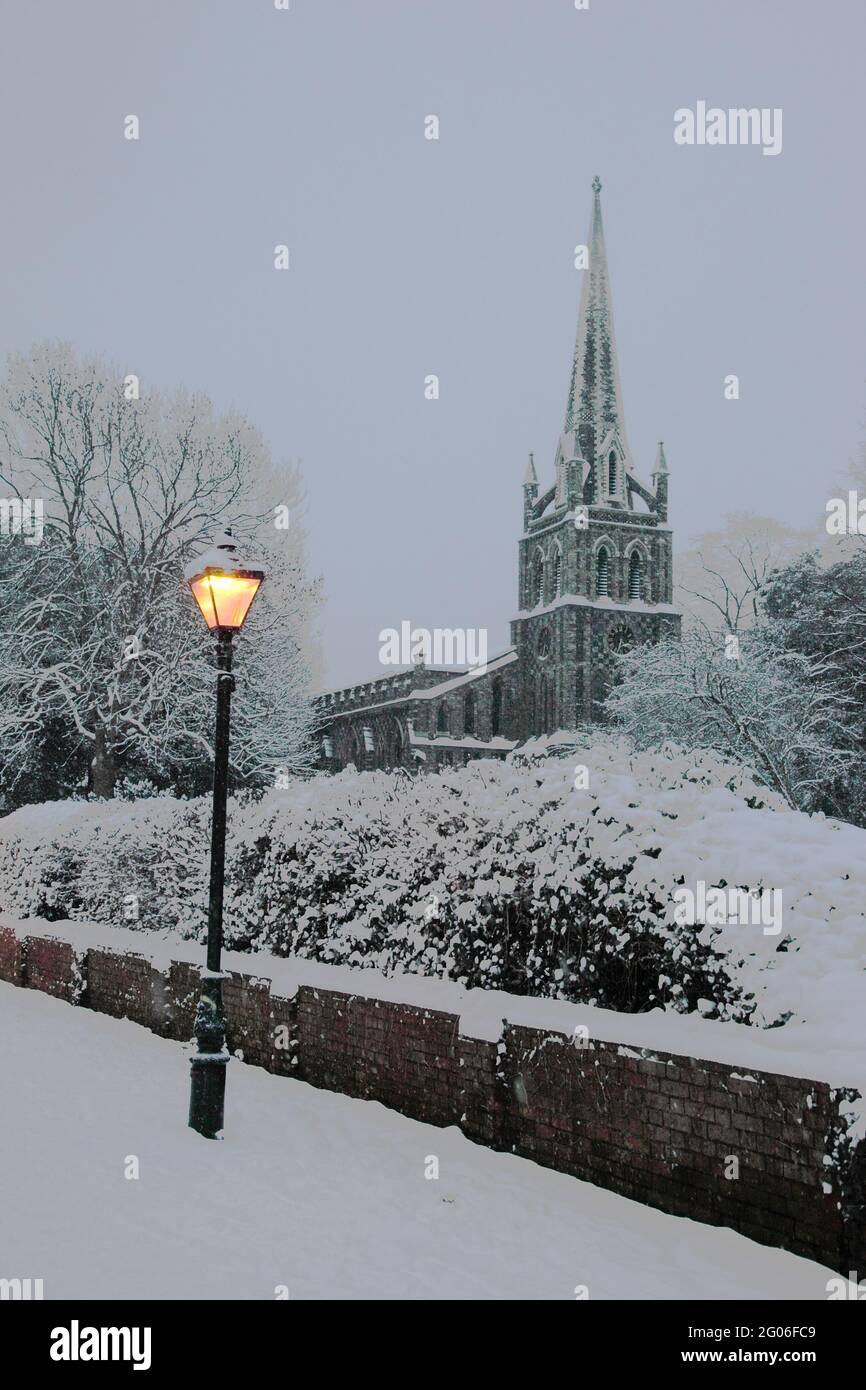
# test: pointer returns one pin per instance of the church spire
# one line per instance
(594, 408)
(660, 482)
(530, 491)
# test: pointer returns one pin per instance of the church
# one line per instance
(594, 578)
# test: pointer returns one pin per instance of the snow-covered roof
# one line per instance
(497, 664)
(396, 673)
(498, 744)
(432, 692)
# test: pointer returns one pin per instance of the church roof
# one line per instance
(594, 407)
(380, 696)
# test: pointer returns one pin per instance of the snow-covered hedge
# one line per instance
(531, 876)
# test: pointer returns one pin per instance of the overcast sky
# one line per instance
(453, 257)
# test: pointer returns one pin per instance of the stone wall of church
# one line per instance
(551, 656)
(605, 634)
(619, 532)
(492, 712)
(486, 707)
(568, 661)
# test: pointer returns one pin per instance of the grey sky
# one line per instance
(412, 257)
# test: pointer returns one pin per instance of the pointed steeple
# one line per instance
(594, 408)
(530, 491)
(660, 482)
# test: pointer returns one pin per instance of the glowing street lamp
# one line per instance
(224, 591)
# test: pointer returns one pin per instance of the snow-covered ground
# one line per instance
(316, 1192)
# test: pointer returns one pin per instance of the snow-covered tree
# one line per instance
(101, 649)
(819, 611)
(756, 703)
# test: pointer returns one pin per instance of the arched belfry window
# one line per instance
(538, 579)
(602, 573)
(635, 576)
(611, 473)
(557, 573)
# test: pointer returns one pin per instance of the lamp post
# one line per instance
(224, 591)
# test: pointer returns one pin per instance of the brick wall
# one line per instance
(768, 1155)
(673, 1131)
(11, 957)
(126, 987)
(53, 966)
(407, 1058)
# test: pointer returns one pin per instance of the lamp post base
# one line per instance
(208, 1065)
(207, 1094)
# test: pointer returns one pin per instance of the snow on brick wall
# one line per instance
(770, 1155)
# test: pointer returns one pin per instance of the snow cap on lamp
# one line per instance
(222, 586)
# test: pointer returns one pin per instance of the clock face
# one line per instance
(620, 639)
(543, 644)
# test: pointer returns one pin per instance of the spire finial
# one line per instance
(661, 463)
(596, 185)
(531, 477)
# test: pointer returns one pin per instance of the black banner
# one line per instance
(63, 1338)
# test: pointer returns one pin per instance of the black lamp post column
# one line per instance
(208, 1081)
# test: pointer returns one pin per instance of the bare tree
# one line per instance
(96, 631)
(721, 578)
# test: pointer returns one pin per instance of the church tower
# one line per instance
(595, 570)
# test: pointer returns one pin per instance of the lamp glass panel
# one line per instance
(225, 599)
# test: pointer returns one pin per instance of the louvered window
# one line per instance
(635, 576)
(602, 573)
(538, 579)
(557, 573)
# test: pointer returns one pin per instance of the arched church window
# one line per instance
(635, 576)
(392, 744)
(442, 719)
(548, 706)
(611, 473)
(538, 579)
(469, 713)
(557, 573)
(496, 709)
(602, 573)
